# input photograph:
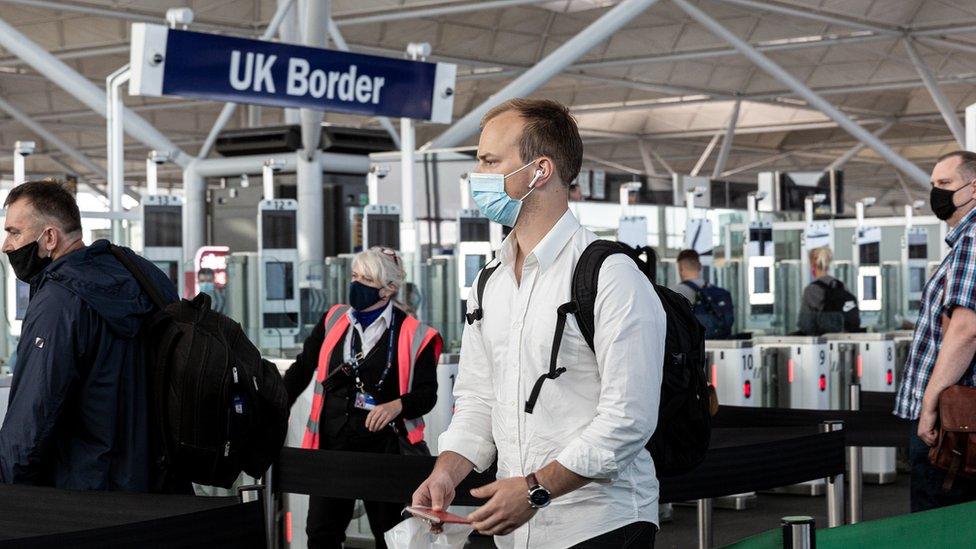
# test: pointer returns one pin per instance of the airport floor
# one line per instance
(731, 526)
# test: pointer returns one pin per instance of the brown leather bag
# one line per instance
(955, 449)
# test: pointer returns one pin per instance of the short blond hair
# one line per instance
(821, 257)
(384, 265)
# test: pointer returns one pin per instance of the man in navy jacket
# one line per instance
(79, 409)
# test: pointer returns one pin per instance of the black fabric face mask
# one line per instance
(941, 201)
(25, 261)
(362, 296)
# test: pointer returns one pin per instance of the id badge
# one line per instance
(364, 401)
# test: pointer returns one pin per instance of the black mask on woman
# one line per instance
(941, 201)
(362, 296)
(25, 261)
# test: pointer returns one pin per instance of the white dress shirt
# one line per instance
(371, 335)
(594, 419)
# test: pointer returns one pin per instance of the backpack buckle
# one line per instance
(473, 317)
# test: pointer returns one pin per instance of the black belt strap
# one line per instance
(554, 371)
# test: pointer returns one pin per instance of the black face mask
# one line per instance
(26, 263)
(941, 201)
(362, 296)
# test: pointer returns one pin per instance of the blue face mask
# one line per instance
(207, 288)
(488, 192)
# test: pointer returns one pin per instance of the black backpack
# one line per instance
(684, 421)
(840, 312)
(221, 408)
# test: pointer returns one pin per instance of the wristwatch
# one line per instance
(539, 497)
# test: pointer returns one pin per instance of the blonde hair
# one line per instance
(820, 258)
(382, 265)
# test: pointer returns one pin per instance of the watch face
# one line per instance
(539, 498)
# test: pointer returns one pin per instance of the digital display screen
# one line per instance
(761, 278)
(916, 279)
(870, 284)
(278, 280)
(870, 254)
(918, 251)
(163, 226)
(278, 229)
(383, 230)
(472, 264)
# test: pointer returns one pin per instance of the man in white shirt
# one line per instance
(582, 447)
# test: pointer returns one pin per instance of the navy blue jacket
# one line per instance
(79, 401)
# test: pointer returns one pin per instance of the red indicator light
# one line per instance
(747, 389)
(288, 536)
(860, 367)
(789, 370)
(714, 375)
(823, 382)
(890, 377)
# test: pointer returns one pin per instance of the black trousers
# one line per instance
(328, 518)
(926, 487)
(637, 535)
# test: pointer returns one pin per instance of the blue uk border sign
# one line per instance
(168, 61)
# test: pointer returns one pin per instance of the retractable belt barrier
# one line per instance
(866, 427)
(33, 517)
(725, 470)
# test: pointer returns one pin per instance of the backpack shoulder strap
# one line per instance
(691, 285)
(586, 280)
(141, 277)
(483, 277)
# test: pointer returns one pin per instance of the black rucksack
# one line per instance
(221, 408)
(713, 309)
(839, 312)
(684, 417)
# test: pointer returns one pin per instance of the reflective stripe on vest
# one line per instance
(413, 338)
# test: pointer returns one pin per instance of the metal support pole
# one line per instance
(571, 50)
(315, 35)
(804, 92)
(971, 127)
(853, 151)
(116, 142)
(835, 484)
(20, 169)
(152, 180)
(723, 152)
(194, 213)
(705, 534)
(855, 466)
(799, 533)
(82, 89)
(269, 508)
(941, 101)
(267, 180)
(646, 158)
(705, 154)
(311, 251)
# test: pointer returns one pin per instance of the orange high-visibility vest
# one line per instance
(413, 338)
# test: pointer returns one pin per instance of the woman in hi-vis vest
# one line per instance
(375, 377)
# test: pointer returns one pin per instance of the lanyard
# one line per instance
(358, 355)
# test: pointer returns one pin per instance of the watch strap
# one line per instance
(532, 480)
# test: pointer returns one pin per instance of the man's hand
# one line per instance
(507, 509)
(926, 424)
(383, 414)
(437, 492)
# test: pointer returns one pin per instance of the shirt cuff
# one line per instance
(477, 450)
(588, 461)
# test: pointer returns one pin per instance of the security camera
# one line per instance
(158, 158)
(379, 170)
(274, 164)
(24, 148)
(759, 195)
(179, 16)
(818, 198)
(245, 181)
(918, 204)
(868, 201)
(418, 50)
(699, 191)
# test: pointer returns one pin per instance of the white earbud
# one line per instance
(538, 174)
